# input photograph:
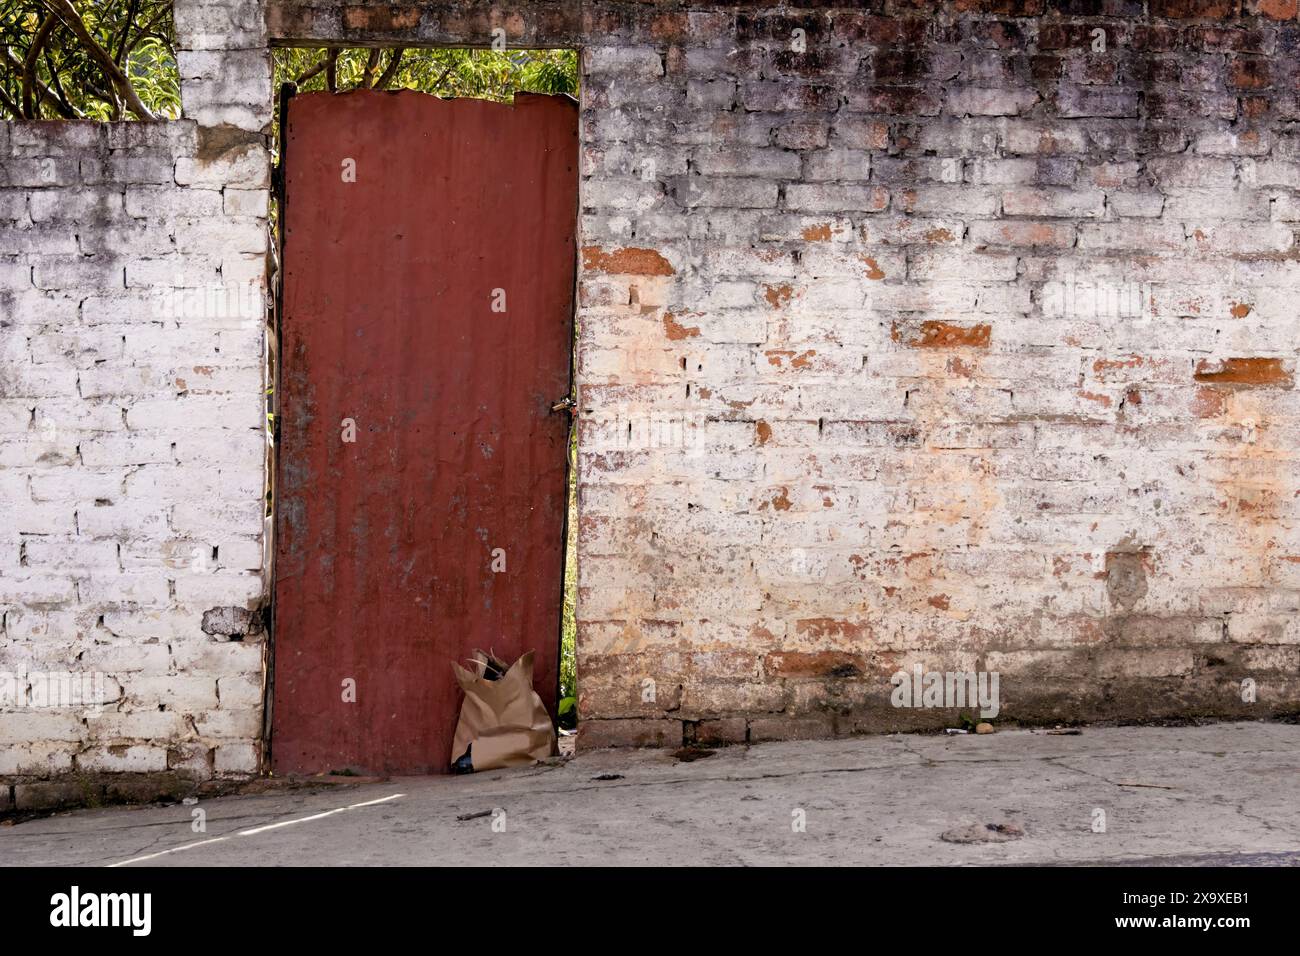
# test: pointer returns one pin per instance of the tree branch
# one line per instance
(32, 105)
(332, 69)
(312, 72)
(438, 82)
(61, 103)
(118, 80)
(10, 105)
(391, 70)
(147, 29)
(372, 61)
(126, 30)
(16, 65)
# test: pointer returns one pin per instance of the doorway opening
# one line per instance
(448, 73)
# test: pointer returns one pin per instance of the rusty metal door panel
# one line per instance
(386, 545)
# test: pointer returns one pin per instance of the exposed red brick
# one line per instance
(1240, 310)
(1277, 9)
(381, 17)
(778, 358)
(676, 331)
(1244, 372)
(762, 431)
(626, 261)
(818, 233)
(781, 500)
(1249, 72)
(816, 664)
(670, 27)
(1101, 367)
(873, 268)
(943, 335)
(1253, 107)
(777, 295)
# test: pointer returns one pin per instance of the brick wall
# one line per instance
(956, 334)
(959, 343)
(132, 311)
(960, 335)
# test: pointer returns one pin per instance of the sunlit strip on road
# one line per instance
(256, 830)
(318, 816)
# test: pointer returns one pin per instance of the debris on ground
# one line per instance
(984, 728)
(983, 833)
(464, 763)
(1151, 786)
(474, 816)
(503, 723)
(608, 776)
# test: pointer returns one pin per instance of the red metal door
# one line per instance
(428, 304)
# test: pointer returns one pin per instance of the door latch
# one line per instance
(565, 404)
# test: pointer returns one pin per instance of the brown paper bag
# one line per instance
(503, 721)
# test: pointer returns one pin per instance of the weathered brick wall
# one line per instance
(910, 333)
(132, 310)
(957, 334)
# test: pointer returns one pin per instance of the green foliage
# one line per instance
(67, 80)
(485, 74)
(70, 79)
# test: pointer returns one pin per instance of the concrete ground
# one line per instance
(1217, 794)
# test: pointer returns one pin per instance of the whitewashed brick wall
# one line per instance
(132, 316)
(943, 340)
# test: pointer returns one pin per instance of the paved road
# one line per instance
(1219, 794)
